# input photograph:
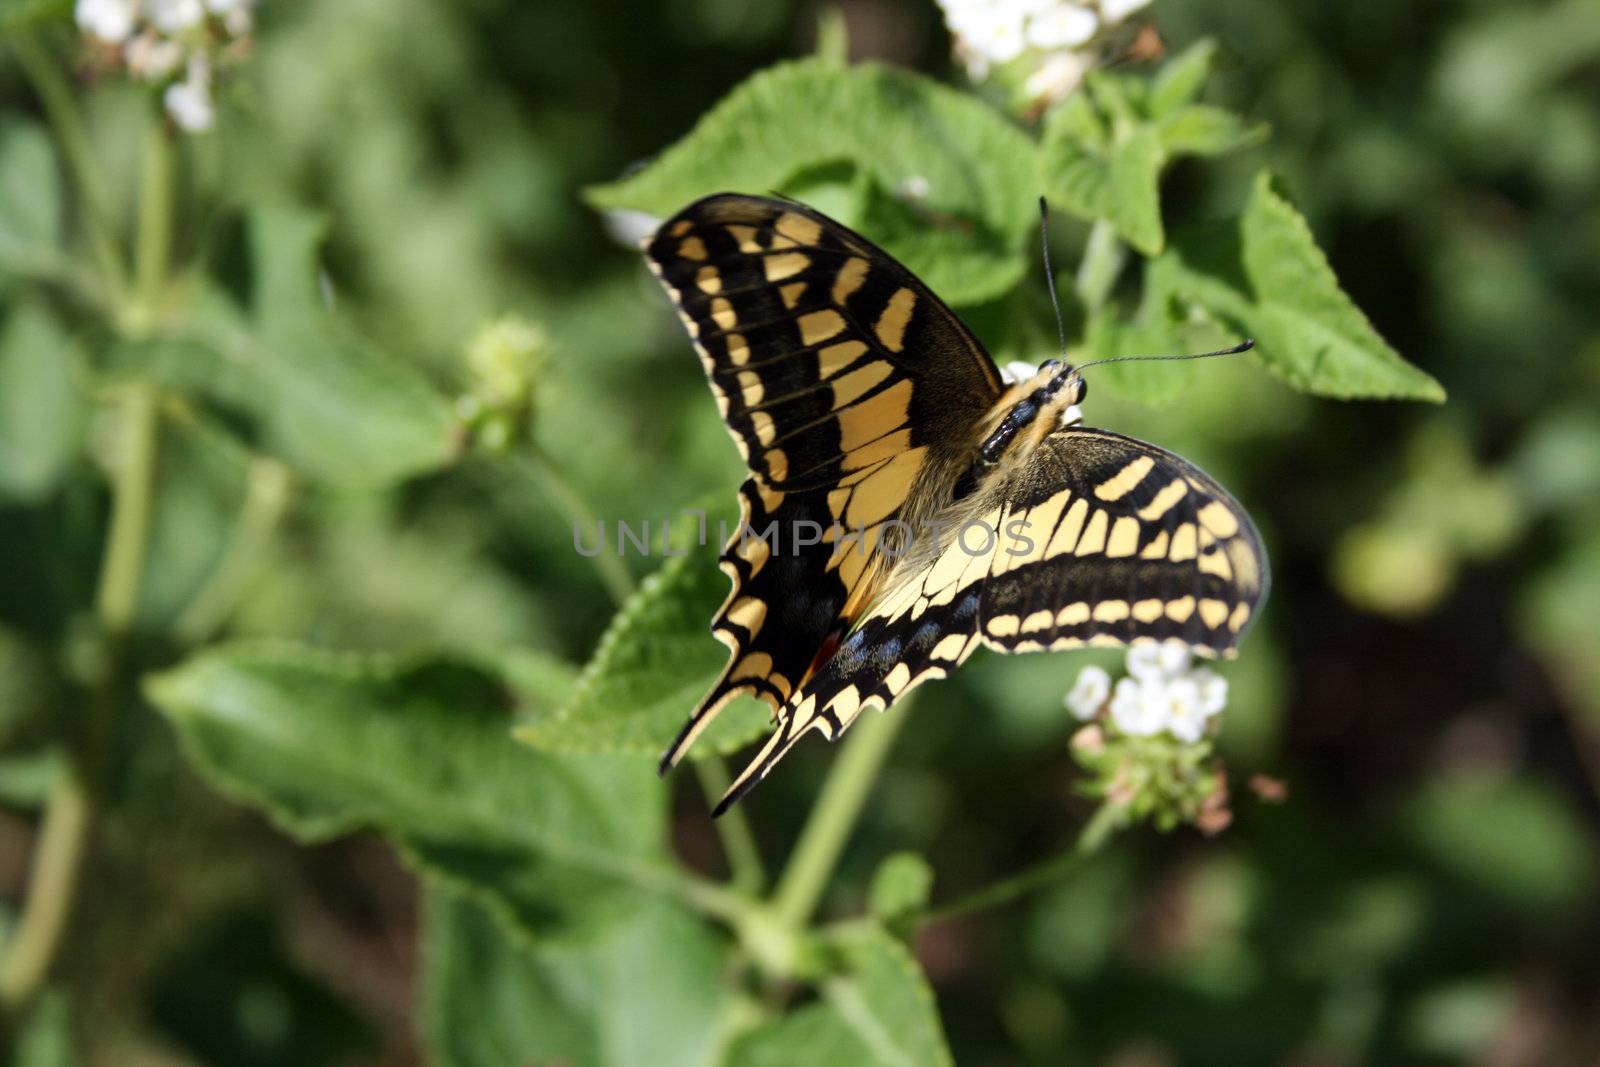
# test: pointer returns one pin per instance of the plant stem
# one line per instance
(69, 813)
(1106, 820)
(738, 841)
(610, 569)
(843, 796)
(267, 491)
(132, 483)
(60, 106)
(57, 860)
(155, 222)
(1103, 260)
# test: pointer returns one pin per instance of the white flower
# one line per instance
(1139, 709)
(1213, 689)
(1158, 662)
(1062, 26)
(1070, 415)
(1089, 693)
(1018, 370)
(175, 16)
(1117, 10)
(1164, 694)
(189, 101)
(151, 57)
(109, 20)
(992, 31)
(1057, 76)
(1185, 720)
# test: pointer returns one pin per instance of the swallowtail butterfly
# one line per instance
(947, 509)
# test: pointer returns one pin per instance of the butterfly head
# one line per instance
(1056, 391)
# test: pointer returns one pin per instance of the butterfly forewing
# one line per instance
(841, 379)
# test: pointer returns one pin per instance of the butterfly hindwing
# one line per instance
(1098, 539)
(841, 379)
(1106, 540)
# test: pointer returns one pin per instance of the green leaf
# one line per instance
(1105, 148)
(1203, 130)
(1181, 78)
(1099, 166)
(1265, 275)
(420, 749)
(900, 886)
(1515, 837)
(326, 402)
(649, 993)
(656, 659)
(41, 411)
(879, 1013)
(973, 172)
(30, 199)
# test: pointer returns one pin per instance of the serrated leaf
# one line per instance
(1105, 148)
(327, 403)
(420, 749)
(879, 1013)
(1118, 180)
(1265, 275)
(30, 200)
(655, 660)
(973, 172)
(649, 993)
(41, 410)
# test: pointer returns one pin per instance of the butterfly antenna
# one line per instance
(1049, 272)
(1243, 346)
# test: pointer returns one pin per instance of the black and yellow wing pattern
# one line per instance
(843, 381)
(862, 404)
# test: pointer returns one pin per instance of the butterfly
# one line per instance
(904, 505)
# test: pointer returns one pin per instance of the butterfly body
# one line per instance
(920, 507)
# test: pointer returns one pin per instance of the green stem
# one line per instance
(738, 841)
(57, 863)
(698, 894)
(1106, 820)
(61, 107)
(610, 569)
(132, 485)
(1103, 259)
(155, 223)
(267, 492)
(69, 813)
(843, 796)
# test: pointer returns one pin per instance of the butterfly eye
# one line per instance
(1083, 391)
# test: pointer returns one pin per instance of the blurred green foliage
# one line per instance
(293, 441)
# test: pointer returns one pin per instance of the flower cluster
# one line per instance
(1144, 743)
(174, 43)
(504, 361)
(1055, 41)
(1162, 693)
